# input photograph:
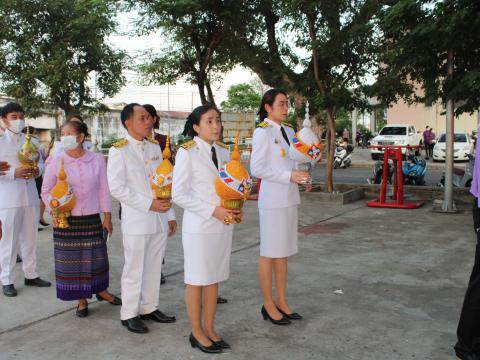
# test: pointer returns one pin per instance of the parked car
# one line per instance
(402, 134)
(462, 147)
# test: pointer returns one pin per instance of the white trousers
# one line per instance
(141, 273)
(20, 232)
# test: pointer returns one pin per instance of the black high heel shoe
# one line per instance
(221, 344)
(282, 321)
(116, 300)
(292, 316)
(212, 349)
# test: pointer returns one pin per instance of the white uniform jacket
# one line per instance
(130, 167)
(270, 162)
(194, 186)
(16, 192)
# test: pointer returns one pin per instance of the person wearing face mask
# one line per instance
(146, 221)
(80, 251)
(19, 204)
(57, 147)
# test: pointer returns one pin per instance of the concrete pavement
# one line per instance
(403, 274)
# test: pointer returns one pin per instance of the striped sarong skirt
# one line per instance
(81, 260)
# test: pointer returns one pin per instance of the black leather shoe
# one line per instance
(221, 344)
(37, 282)
(163, 279)
(135, 325)
(292, 316)
(158, 316)
(9, 290)
(82, 313)
(212, 349)
(282, 321)
(116, 300)
(19, 259)
(221, 300)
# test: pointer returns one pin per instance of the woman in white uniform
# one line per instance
(278, 200)
(206, 228)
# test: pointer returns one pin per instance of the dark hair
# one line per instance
(11, 107)
(80, 127)
(73, 115)
(153, 112)
(127, 112)
(268, 98)
(195, 117)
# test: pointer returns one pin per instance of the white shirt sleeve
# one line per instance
(118, 184)
(259, 164)
(182, 193)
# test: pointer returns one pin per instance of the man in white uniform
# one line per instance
(146, 222)
(18, 204)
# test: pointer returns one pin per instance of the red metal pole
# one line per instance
(383, 192)
(400, 177)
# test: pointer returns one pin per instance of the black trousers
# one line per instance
(468, 331)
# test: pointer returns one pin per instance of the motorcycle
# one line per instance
(414, 171)
(462, 177)
(343, 156)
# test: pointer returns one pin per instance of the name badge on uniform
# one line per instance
(155, 158)
(283, 152)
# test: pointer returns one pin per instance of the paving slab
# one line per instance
(403, 274)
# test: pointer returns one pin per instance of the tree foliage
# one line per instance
(49, 48)
(197, 31)
(323, 51)
(417, 38)
(242, 97)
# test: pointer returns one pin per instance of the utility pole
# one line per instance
(354, 126)
(448, 205)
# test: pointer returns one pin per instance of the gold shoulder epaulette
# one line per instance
(221, 144)
(152, 140)
(287, 124)
(263, 124)
(120, 143)
(189, 144)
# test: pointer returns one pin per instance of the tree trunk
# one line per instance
(331, 149)
(211, 99)
(201, 90)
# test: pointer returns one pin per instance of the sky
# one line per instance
(181, 96)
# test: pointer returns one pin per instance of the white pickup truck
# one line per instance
(402, 134)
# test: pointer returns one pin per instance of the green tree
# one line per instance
(196, 31)
(242, 97)
(322, 51)
(431, 53)
(50, 48)
(418, 38)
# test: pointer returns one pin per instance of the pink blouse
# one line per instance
(87, 176)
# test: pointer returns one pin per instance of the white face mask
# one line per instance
(69, 142)
(16, 126)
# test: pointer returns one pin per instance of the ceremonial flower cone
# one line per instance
(162, 180)
(28, 155)
(61, 199)
(233, 184)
